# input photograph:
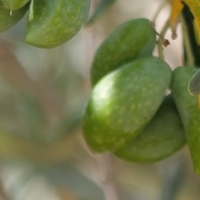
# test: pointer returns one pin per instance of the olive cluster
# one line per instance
(139, 108)
(49, 23)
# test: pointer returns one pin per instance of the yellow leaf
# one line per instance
(176, 8)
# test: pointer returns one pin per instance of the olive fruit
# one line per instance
(187, 106)
(123, 102)
(10, 18)
(52, 23)
(15, 4)
(133, 39)
(163, 136)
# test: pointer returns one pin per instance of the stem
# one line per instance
(187, 44)
(106, 177)
(157, 12)
(160, 49)
(162, 41)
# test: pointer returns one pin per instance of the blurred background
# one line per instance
(42, 97)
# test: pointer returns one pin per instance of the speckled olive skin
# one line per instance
(163, 136)
(123, 102)
(52, 23)
(188, 108)
(194, 84)
(15, 4)
(133, 39)
(9, 19)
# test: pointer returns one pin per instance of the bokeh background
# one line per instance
(42, 97)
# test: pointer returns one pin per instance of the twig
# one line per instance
(157, 12)
(106, 177)
(162, 41)
(187, 44)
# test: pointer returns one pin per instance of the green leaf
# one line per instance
(102, 7)
(31, 116)
(69, 177)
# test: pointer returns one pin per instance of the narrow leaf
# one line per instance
(102, 7)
